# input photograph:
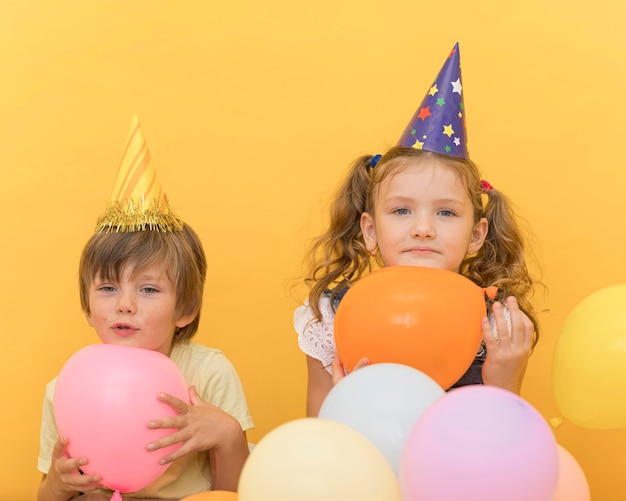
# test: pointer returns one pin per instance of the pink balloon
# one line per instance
(104, 397)
(479, 443)
(572, 484)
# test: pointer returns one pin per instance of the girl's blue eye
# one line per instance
(401, 212)
(150, 290)
(446, 212)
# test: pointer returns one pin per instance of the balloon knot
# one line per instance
(491, 291)
(556, 421)
(116, 496)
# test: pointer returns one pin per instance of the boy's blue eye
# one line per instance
(446, 212)
(107, 288)
(150, 290)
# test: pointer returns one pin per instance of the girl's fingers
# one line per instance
(488, 336)
(338, 372)
(521, 326)
(502, 335)
(361, 363)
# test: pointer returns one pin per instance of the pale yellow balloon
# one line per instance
(314, 459)
(589, 361)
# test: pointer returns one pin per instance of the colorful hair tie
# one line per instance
(375, 159)
(485, 186)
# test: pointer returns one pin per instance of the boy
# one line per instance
(141, 281)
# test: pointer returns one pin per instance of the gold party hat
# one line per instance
(137, 202)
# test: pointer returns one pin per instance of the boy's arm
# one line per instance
(227, 459)
(47, 492)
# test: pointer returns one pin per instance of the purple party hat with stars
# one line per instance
(439, 123)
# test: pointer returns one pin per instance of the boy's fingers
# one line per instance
(174, 402)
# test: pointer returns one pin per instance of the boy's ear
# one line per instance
(185, 320)
(369, 231)
(479, 234)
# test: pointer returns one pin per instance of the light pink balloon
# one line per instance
(104, 397)
(572, 484)
(479, 443)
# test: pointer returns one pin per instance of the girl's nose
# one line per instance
(423, 227)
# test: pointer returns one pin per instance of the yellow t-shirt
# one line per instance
(215, 380)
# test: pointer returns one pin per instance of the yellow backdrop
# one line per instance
(252, 111)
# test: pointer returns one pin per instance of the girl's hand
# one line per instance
(200, 426)
(507, 350)
(339, 371)
(320, 382)
(64, 477)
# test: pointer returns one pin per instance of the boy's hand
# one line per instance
(64, 476)
(200, 426)
(508, 351)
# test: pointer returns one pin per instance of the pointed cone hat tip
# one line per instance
(438, 125)
(137, 202)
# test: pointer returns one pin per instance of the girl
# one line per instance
(422, 204)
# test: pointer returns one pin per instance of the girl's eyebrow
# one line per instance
(406, 199)
(450, 201)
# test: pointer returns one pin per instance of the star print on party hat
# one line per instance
(439, 123)
(138, 202)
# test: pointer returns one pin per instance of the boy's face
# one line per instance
(138, 310)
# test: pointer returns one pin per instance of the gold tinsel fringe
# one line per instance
(133, 215)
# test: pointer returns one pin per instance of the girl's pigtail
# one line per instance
(502, 261)
(339, 257)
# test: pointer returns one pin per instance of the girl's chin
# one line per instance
(419, 261)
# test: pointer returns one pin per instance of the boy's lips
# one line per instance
(124, 329)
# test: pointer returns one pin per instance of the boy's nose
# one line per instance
(125, 304)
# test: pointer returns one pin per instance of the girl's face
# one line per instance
(137, 310)
(423, 216)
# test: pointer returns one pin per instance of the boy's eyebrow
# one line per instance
(100, 278)
(150, 276)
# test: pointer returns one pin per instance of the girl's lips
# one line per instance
(421, 250)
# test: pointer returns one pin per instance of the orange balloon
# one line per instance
(425, 318)
(212, 496)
